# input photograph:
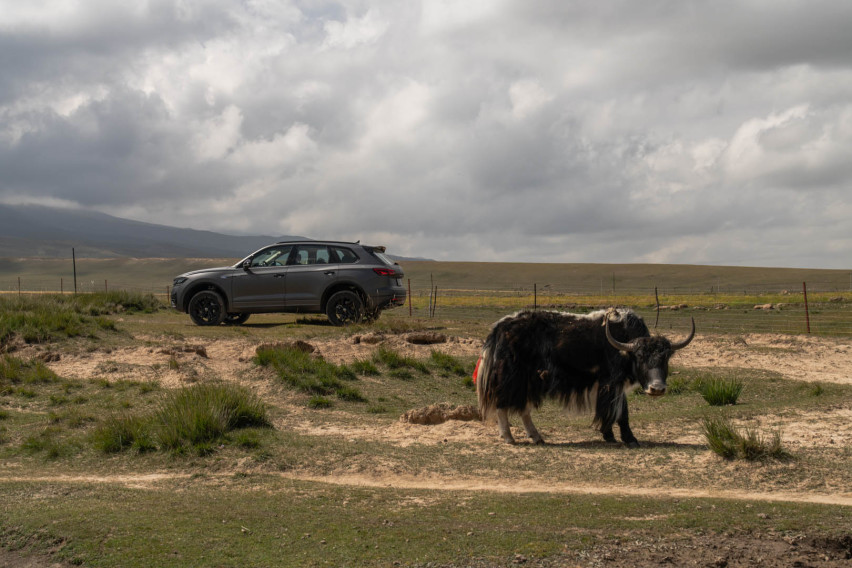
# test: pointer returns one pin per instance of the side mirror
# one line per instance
(246, 265)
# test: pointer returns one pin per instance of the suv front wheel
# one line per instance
(207, 308)
(345, 307)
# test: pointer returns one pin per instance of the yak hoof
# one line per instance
(632, 444)
(538, 441)
(508, 440)
(610, 439)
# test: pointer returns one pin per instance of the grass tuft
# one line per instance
(721, 392)
(395, 361)
(728, 442)
(308, 374)
(203, 413)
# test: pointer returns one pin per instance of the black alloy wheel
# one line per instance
(345, 308)
(207, 308)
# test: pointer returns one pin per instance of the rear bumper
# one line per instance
(391, 298)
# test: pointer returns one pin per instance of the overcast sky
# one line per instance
(698, 132)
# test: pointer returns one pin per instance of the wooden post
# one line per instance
(74, 261)
(435, 302)
(807, 312)
(61, 291)
(657, 296)
(535, 296)
(19, 285)
(410, 312)
(106, 289)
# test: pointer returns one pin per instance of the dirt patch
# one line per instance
(798, 357)
(440, 413)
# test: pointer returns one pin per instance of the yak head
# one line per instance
(650, 356)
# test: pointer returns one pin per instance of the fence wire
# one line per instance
(717, 308)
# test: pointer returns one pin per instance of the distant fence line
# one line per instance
(829, 310)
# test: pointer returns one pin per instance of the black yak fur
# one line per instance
(534, 355)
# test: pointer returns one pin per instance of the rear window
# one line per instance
(345, 255)
(381, 256)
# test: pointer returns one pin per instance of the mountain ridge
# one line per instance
(37, 231)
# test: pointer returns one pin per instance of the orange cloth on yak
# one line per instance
(476, 369)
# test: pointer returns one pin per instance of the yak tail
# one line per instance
(484, 385)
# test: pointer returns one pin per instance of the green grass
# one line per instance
(721, 392)
(748, 444)
(38, 319)
(308, 374)
(238, 522)
(200, 415)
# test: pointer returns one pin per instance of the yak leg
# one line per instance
(503, 425)
(606, 413)
(530, 427)
(624, 425)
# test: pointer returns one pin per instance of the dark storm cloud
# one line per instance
(621, 131)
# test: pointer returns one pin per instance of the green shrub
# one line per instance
(201, 414)
(394, 360)
(721, 392)
(448, 364)
(309, 374)
(319, 402)
(121, 432)
(725, 440)
(362, 367)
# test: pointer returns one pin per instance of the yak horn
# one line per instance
(629, 347)
(685, 342)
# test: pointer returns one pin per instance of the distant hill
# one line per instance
(33, 231)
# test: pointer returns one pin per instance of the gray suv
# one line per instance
(349, 282)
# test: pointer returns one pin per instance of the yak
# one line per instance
(585, 362)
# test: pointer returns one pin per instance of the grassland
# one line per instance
(347, 484)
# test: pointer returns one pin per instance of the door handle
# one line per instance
(278, 275)
(329, 272)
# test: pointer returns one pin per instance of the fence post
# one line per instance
(106, 289)
(657, 297)
(535, 296)
(74, 262)
(19, 285)
(410, 313)
(435, 302)
(807, 312)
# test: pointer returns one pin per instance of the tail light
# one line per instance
(385, 271)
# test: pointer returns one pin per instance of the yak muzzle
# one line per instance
(656, 389)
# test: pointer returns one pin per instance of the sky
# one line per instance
(682, 131)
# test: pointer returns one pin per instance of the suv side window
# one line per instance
(345, 255)
(312, 254)
(273, 256)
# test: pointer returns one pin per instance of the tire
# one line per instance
(236, 319)
(345, 308)
(207, 308)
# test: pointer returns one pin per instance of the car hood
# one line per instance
(217, 269)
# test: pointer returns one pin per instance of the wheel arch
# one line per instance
(339, 286)
(196, 288)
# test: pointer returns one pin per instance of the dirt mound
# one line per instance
(440, 413)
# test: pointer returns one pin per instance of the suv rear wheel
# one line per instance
(207, 308)
(345, 307)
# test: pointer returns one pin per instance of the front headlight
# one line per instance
(180, 280)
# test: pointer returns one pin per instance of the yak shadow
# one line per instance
(600, 444)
